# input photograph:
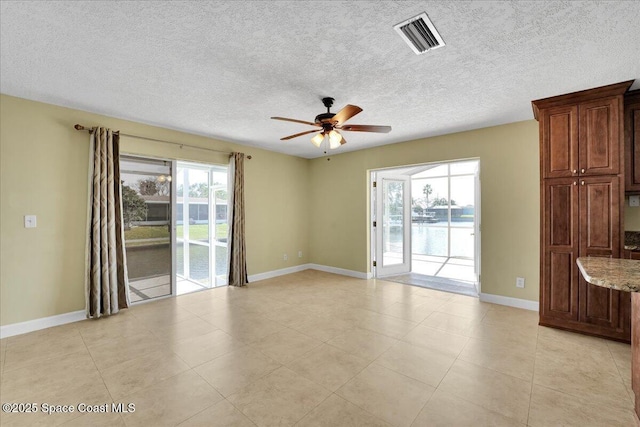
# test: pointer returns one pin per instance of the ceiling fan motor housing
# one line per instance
(324, 117)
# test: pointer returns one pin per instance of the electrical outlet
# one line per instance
(299, 254)
(634, 201)
(285, 257)
(519, 282)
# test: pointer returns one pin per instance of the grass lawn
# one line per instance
(196, 232)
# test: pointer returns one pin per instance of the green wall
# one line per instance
(510, 192)
(44, 169)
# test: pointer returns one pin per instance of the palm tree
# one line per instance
(427, 190)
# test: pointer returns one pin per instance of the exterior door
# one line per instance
(393, 225)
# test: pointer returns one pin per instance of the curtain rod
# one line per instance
(90, 130)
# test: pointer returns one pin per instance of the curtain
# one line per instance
(107, 289)
(237, 250)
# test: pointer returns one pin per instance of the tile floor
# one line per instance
(317, 349)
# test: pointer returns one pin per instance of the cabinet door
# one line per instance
(559, 141)
(559, 290)
(599, 236)
(599, 133)
(632, 141)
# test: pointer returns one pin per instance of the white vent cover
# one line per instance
(420, 34)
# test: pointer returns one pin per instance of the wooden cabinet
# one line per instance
(581, 154)
(632, 141)
(581, 139)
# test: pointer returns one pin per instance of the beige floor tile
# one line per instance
(165, 312)
(3, 347)
(286, 345)
(363, 343)
(137, 374)
(335, 411)
(204, 306)
(328, 366)
(63, 380)
(446, 342)
(387, 325)
(558, 340)
(621, 353)
(507, 359)
(222, 413)
(200, 349)
(37, 347)
(492, 390)
(468, 300)
(472, 311)
(322, 328)
(602, 385)
(446, 410)
(97, 419)
(393, 397)
(260, 305)
(553, 408)
(100, 331)
(512, 316)
(114, 351)
(280, 399)
(289, 318)
(252, 329)
(505, 334)
(233, 371)
(577, 379)
(411, 312)
(450, 323)
(423, 364)
(171, 401)
(185, 329)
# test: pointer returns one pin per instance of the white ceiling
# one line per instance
(222, 68)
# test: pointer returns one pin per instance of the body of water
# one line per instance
(433, 240)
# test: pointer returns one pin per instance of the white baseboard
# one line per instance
(302, 267)
(43, 323)
(511, 302)
(342, 271)
(276, 273)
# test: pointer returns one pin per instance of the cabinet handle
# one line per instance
(575, 182)
(575, 171)
(582, 171)
(581, 182)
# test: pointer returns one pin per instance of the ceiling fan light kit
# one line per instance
(330, 123)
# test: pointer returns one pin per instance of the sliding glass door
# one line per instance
(146, 210)
(201, 226)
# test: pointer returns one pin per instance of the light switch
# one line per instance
(29, 221)
(634, 201)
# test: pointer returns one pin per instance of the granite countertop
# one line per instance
(614, 273)
(632, 240)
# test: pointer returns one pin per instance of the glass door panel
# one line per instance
(146, 210)
(393, 225)
(201, 226)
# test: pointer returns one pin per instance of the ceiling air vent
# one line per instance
(420, 34)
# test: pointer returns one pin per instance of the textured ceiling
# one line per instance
(221, 69)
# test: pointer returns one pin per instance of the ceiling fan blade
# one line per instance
(366, 128)
(346, 113)
(296, 121)
(299, 134)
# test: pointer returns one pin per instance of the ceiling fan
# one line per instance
(330, 123)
